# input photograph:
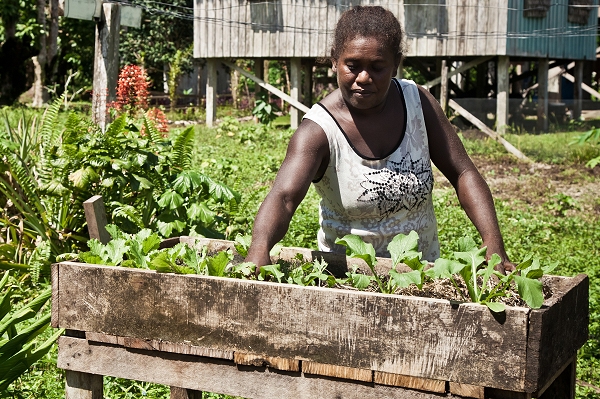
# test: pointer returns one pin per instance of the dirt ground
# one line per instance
(537, 183)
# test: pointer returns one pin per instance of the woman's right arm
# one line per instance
(306, 159)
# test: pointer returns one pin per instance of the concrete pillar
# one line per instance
(296, 88)
(577, 90)
(106, 63)
(211, 91)
(503, 87)
(542, 106)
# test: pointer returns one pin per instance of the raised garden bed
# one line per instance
(378, 341)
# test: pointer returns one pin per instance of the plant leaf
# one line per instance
(357, 248)
(531, 291)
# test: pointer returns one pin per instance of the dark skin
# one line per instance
(368, 106)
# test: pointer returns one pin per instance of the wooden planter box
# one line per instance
(121, 321)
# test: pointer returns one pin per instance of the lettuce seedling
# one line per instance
(357, 248)
(403, 249)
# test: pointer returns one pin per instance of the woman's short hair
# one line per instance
(368, 21)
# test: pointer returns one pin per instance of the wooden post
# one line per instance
(307, 83)
(542, 106)
(444, 86)
(295, 92)
(95, 216)
(211, 91)
(259, 72)
(83, 385)
(578, 91)
(182, 393)
(106, 63)
(502, 83)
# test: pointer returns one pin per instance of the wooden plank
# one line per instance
(464, 67)
(483, 127)
(79, 385)
(214, 375)
(405, 381)
(95, 217)
(564, 385)
(182, 393)
(272, 89)
(54, 278)
(342, 327)
(466, 390)
(251, 359)
(159, 345)
(330, 370)
(553, 346)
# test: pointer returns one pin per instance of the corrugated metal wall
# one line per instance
(551, 36)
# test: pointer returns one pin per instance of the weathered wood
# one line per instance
(422, 384)
(106, 63)
(79, 385)
(564, 384)
(296, 92)
(502, 91)
(159, 345)
(182, 393)
(278, 363)
(330, 370)
(550, 344)
(464, 67)
(542, 105)
(482, 126)
(294, 103)
(95, 217)
(211, 91)
(215, 375)
(341, 327)
(466, 390)
(444, 86)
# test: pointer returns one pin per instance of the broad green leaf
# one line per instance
(360, 281)
(404, 247)
(242, 244)
(200, 211)
(271, 270)
(115, 232)
(495, 307)
(466, 244)
(217, 264)
(170, 199)
(161, 263)
(144, 183)
(444, 268)
(489, 269)
(115, 249)
(404, 280)
(357, 248)
(530, 291)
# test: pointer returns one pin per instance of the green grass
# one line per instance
(247, 156)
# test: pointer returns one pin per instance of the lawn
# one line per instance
(548, 207)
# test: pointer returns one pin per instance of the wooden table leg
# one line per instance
(182, 393)
(83, 385)
(564, 385)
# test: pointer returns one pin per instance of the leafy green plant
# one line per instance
(264, 110)
(19, 348)
(591, 136)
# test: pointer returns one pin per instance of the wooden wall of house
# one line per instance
(434, 28)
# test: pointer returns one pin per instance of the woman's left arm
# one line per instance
(450, 157)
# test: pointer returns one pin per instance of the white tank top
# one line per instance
(378, 198)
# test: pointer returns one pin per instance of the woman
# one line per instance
(367, 148)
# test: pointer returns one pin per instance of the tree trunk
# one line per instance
(39, 61)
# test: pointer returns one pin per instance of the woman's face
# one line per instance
(364, 70)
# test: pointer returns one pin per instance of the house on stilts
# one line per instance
(490, 60)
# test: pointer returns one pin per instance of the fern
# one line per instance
(152, 131)
(182, 148)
